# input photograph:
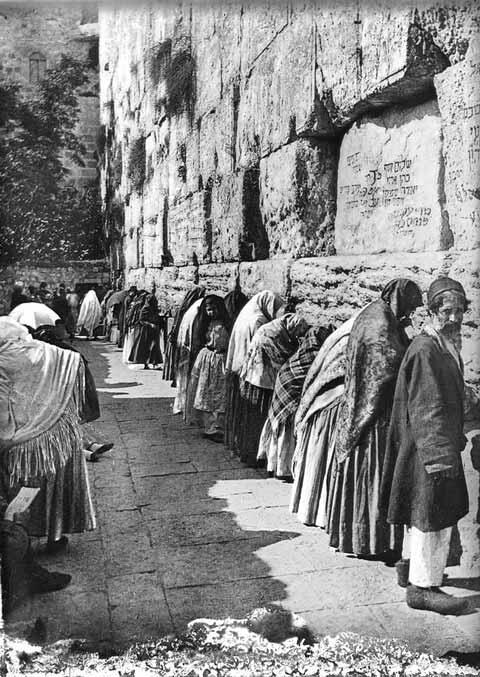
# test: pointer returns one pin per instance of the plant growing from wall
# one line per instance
(42, 215)
(137, 163)
(180, 84)
(156, 60)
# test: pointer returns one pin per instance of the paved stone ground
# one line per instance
(186, 531)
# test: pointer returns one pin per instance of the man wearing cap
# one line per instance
(424, 484)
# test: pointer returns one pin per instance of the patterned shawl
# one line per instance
(271, 346)
(375, 350)
(291, 377)
(260, 309)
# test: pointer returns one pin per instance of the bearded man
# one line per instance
(424, 484)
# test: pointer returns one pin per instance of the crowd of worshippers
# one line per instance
(365, 419)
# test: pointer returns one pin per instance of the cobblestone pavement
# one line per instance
(186, 531)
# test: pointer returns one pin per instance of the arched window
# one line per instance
(38, 66)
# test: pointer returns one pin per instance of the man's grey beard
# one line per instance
(453, 333)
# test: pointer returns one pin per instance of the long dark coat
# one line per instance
(426, 434)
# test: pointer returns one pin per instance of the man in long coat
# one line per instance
(424, 481)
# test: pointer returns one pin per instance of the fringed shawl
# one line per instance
(291, 377)
(258, 311)
(271, 346)
(90, 315)
(375, 350)
(41, 392)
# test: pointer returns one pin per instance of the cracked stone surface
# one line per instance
(185, 531)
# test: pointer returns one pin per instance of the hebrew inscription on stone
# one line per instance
(389, 184)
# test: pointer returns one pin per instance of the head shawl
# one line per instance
(261, 308)
(375, 350)
(202, 323)
(37, 381)
(90, 316)
(442, 285)
(291, 377)
(234, 302)
(402, 295)
(271, 346)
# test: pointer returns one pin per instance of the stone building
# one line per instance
(33, 37)
(317, 151)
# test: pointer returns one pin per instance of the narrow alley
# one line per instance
(185, 531)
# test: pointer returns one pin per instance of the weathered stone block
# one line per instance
(206, 53)
(297, 197)
(459, 103)
(188, 239)
(390, 184)
(256, 276)
(218, 278)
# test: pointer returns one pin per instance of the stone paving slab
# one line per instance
(186, 531)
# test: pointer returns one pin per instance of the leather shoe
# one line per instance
(434, 599)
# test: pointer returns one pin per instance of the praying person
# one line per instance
(206, 388)
(272, 344)
(187, 348)
(146, 343)
(42, 393)
(277, 442)
(262, 307)
(197, 292)
(90, 315)
(376, 346)
(424, 485)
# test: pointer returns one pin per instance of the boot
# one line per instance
(434, 599)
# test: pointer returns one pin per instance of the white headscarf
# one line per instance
(90, 316)
(260, 309)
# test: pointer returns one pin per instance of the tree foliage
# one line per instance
(42, 214)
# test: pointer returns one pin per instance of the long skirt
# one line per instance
(127, 345)
(146, 346)
(232, 411)
(169, 365)
(64, 503)
(206, 391)
(355, 522)
(254, 406)
(277, 445)
(312, 466)
(182, 378)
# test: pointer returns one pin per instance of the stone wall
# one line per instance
(318, 151)
(96, 273)
(282, 144)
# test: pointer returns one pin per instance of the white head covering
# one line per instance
(260, 309)
(11, 330)
(90, 316)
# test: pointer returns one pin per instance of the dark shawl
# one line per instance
(375, 349)
(291, 377)
(202, 321)
(169, 369)
(426, 437)
(234, 302)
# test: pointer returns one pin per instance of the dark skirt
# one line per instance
(232, 411)
(146, 346)
(169, 365)
(355, 521)
(253, 412)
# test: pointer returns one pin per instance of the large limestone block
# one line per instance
(172, 283)
(218, 278)
(188, 237)
(278, 96)
(297, 197)
(373, 55)
(390, 184)
(459, 102)
(237, 231)
(206, 54)
(256, 276)
(261, 25)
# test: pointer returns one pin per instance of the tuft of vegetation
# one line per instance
(42, 214)
(180, 84)
(137, 164)
(157, 59)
